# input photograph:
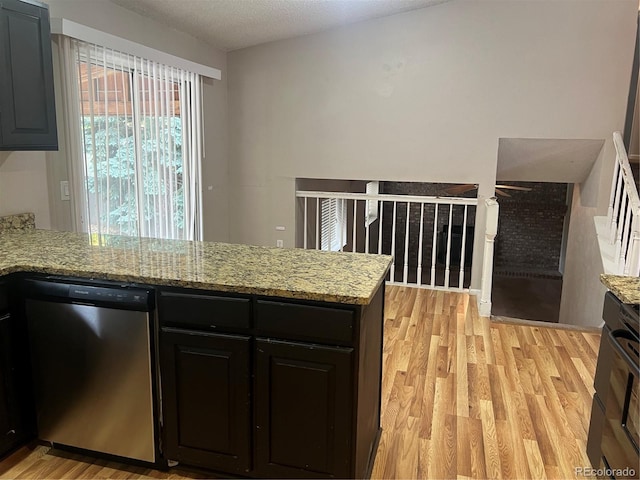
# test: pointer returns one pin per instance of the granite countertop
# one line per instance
(350, 278)
(627, 289)
(20, 221)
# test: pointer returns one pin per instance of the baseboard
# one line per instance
(536, 323)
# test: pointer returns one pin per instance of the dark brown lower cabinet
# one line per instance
(17, 411)
(303, 410)
(206, 399)
(7, 431)
(292, 391)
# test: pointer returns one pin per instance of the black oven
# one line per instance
(613, 440)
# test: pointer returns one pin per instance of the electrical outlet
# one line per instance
(280, 243)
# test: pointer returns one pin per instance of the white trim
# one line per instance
(62, 26)
(429, 287)
(385, 197)
(477, 292)
(607, 249)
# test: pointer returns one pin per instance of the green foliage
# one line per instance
(111, 150)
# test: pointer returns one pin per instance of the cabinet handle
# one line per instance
(615, 343)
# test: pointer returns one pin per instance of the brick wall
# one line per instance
(530, 228)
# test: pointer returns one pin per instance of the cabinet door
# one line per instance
(303, 408)
(6, 427)
(27, 109)
(206, 399)
(17, 410)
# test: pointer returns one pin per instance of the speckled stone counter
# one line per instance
(18, 222)
(627, 289)
(350, 278)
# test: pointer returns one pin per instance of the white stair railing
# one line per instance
(418, 231)
(623, 215)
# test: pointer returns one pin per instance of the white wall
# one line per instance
(420, 96)
(582, 292)
(108, 17)
(23, 185)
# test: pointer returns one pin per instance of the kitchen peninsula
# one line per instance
(269, 359)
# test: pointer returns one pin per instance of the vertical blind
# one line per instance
(139, 133)
(333, 224)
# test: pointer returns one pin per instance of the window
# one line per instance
(333, 224)
(139, 121)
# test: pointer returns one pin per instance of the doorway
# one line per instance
(529, 251)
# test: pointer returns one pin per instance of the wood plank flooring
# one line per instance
(462, 398)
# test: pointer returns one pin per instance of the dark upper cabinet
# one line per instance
(27, 106)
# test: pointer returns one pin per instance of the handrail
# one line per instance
(388, 197)
(627, 174)
(623, 216)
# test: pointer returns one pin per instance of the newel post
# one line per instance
(487, 259)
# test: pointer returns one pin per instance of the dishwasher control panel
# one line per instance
(91, 293)
(118, 296)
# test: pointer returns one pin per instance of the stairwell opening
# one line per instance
(529, 251)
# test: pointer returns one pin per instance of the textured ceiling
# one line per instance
(233, 24)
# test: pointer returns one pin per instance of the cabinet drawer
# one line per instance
(204, 311)
(304, 322)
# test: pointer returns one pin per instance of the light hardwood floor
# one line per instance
(467, 398)
(462, 397)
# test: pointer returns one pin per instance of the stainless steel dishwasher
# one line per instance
(91, 359)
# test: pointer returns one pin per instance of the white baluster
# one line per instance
(625, 237)
(353, 225)
(433, 247)
(317, 223)
(613, 232)
(405, 271)
(306, 227)
(619, 229)
(448, 260)
(419, 271)
(393, 242)
(614, 180)
(380, 228)
(632, 265)
(634, 256)
(366, 236)
(463, 248)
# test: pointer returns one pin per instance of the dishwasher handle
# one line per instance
(122, 297)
